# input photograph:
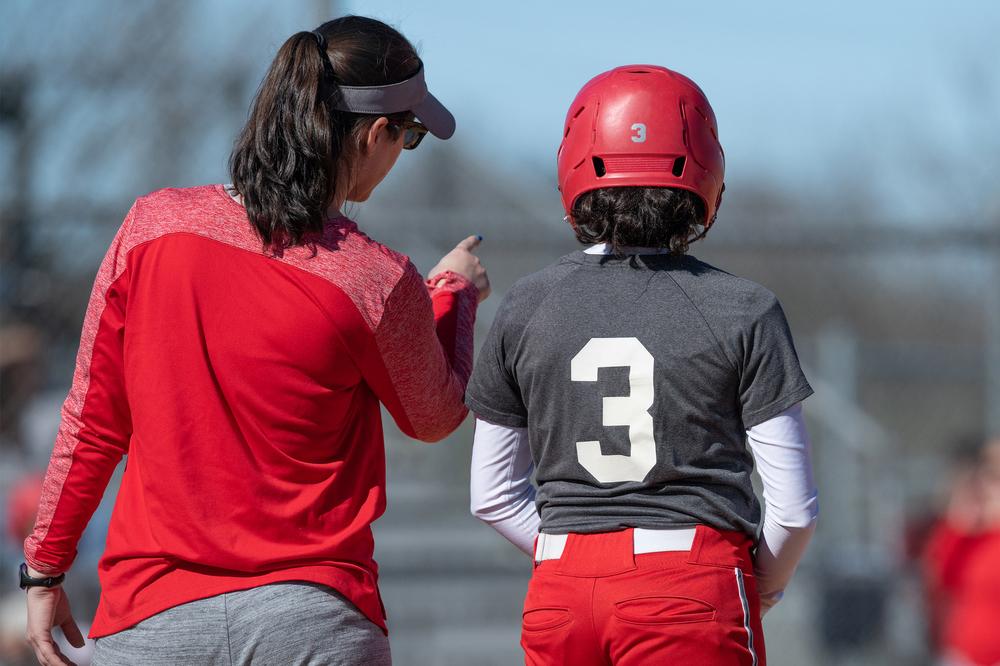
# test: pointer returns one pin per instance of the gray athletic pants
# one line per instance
(283, 623)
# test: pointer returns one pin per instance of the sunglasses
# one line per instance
(413, 133)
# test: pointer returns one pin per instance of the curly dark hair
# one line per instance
(662, 217)
(286, 160)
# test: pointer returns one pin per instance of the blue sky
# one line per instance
(902, 98)
(804, 92)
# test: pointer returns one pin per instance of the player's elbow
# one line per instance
(483, 509)
(488, 516)
(488, 505)
(480, 513)
(798, 523)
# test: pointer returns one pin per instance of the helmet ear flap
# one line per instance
(718, 204)
(715, 213)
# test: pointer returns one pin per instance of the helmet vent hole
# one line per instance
(579, 111)
(599, 167)
(638, 71)
(678, 169)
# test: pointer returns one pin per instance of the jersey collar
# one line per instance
(605, 248)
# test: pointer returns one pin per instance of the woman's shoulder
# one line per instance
(201, 210)
(361, 267)
(378, 254)
(342, 256)
(197, 200)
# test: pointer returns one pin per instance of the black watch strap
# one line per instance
(50, 581)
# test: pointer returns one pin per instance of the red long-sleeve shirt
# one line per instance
(244, 389)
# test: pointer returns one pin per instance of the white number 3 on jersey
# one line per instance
(631, 410)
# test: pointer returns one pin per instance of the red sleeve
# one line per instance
(96, 422)
(454, 320)
(424, 341)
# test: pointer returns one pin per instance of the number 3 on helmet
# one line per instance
(646, 126)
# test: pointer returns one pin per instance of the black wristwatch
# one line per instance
(27, 581)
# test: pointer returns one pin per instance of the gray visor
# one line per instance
(408, 95)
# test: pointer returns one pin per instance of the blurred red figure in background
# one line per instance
(22, 504)
(961, 566)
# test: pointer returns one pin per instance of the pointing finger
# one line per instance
(470, 243)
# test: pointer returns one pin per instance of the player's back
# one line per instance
(637, 377)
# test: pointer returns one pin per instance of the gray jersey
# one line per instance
(637, 379)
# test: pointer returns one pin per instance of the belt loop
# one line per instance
(699, 539)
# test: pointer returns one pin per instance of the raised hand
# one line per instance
(461, 260)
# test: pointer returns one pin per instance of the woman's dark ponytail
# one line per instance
(286, 160)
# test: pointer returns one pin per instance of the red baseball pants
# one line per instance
(601, 605)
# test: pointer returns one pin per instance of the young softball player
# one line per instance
(237, 346)
(629, 378)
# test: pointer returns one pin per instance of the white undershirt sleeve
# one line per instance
(502, 494)
(780, 448)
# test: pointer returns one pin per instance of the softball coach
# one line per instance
(236, 348)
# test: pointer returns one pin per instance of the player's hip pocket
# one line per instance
(545, 619)
(663, 609)
(550, 635)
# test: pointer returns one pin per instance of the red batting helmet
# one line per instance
(641, 125)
